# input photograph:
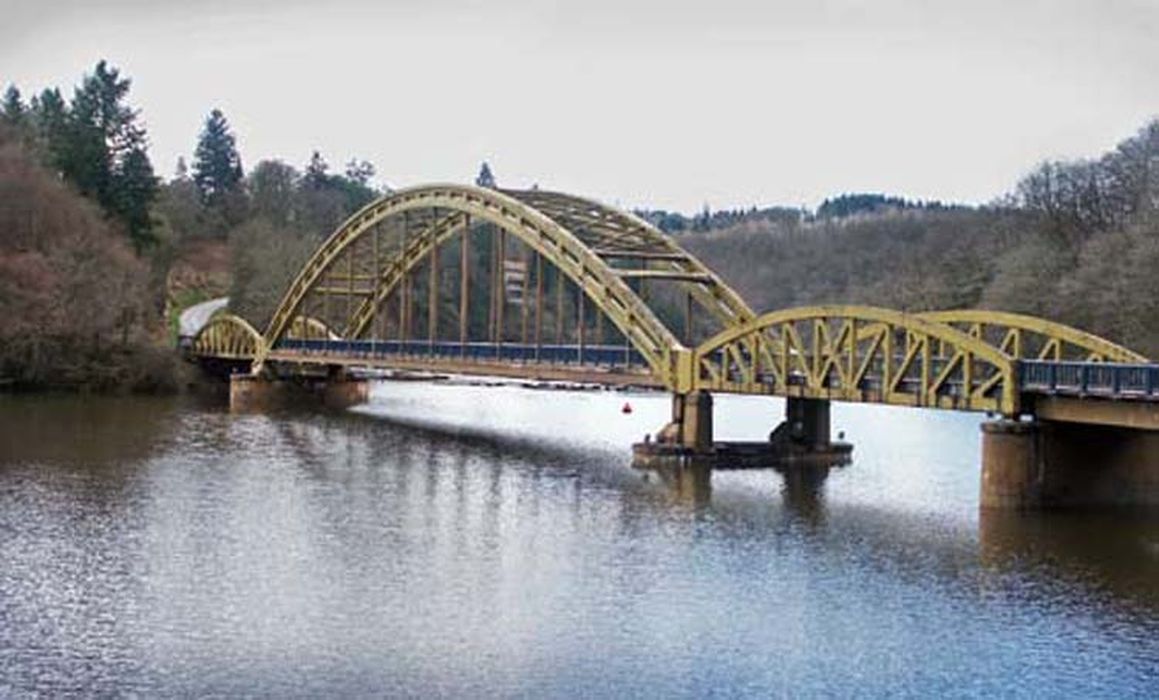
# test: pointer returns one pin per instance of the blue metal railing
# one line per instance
(1089, 379)
(1096, 379)
(599, 355)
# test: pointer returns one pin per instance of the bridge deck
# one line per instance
(596, 364)
(619, 366)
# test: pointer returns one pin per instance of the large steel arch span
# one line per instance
(610, 233)
(310, 327)
(1030, 338)
(584, 265)
(861, 354)
(613, 234)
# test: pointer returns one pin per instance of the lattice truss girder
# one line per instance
(1029, 338)
(230, 337)
(860, 354)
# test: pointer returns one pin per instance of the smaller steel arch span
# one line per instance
(860, 354)
(229, 336)
(655, 342)
(1055, 341)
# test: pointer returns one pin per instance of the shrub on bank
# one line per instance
(75, 307)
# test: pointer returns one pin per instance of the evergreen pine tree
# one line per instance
(136, 188)
(485, 177)
(216, 165)
(49, 125)
(102, 131)
(316, 177)
(97, 144)
(12, 109)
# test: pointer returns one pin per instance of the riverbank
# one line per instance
(141, 369)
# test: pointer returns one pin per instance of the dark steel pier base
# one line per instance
(739, 455)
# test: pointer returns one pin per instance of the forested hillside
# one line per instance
(77, 277)
(74, 297)
(91, 241)
(1077, 242)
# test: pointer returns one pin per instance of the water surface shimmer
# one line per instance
(465, 541)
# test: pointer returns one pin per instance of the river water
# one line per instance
(493, 541)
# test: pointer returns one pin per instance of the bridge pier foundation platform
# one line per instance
(1049, 464)
(691, 426)
(339, 391)
(803, 438)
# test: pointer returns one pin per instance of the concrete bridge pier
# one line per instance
(1052, 464)
(691, 425)
(687, 438)
(806, 425)
(336, 390)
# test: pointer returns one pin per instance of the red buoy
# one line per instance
(627, 408)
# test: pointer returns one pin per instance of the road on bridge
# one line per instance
(194, 318)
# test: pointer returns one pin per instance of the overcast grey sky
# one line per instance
(667, 104)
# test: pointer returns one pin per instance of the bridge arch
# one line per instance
(229, 337)
(583, 251)
(304, 327)
(1030, 338)
(611, 234)
(858, 353)
(614, 233)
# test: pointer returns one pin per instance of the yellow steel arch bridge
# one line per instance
(538, 284)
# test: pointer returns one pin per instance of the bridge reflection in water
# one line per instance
(1102, 553)
(549, 286)
(308, 552)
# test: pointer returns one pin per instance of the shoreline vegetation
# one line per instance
(98, 255)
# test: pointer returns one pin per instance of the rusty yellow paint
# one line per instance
(961, 359)
(230, 337)
(1054, 341)
(620, 234)
(308, 327)
(557, 244)
(817, 345)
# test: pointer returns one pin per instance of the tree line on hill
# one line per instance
(89, 233)
(1076, 241)
(842, 206)
(76, 197)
